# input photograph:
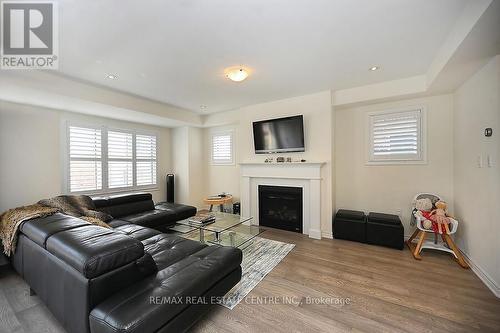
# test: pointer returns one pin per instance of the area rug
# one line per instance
(260, 256)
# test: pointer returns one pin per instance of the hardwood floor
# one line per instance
(388, 290)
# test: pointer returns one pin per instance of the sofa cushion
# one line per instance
(117, 222)
(40, 229)
(121, 210)
(136, 231)
(132, 310)
(181, 211)
(129, 198)
(151, 218)
(94, 250)
(168, 249)
(124, 204)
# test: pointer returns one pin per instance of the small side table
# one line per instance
(218, 201)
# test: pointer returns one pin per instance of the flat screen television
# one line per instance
(282, 135)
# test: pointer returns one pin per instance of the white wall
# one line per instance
(391, 188)
(180, 163)
(317, 112)
(477, 189)
(31, 160)
(188, 162)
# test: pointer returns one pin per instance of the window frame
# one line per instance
(104, 159)
(221, 133)
(397, 160)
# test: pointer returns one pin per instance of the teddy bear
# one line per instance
(440, 216)
(424, 204)
(424, 207)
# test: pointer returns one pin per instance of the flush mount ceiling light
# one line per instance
(111, 76)
(236, 74)
(374, 68)
(203, 107)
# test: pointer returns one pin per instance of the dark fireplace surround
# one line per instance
(281, 207)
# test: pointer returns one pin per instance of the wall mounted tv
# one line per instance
(282, 135)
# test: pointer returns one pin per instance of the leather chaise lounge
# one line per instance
(127, 279)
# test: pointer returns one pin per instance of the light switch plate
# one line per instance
(480, 161)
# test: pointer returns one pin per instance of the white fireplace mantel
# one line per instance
(306, 175)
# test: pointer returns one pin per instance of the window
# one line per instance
(120, 161)
(106, 160)
(146, 159)
(222, 148)
(85, 163)
(396, 136)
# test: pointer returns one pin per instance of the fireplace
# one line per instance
(281, 207)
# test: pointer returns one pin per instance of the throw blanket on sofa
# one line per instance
(12, 219)
(80, 206)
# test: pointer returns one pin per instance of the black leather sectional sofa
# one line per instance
(130, 278)
(138, 208)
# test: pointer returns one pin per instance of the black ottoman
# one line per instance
(350, 225)
(385, 230)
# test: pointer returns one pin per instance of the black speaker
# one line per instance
(236, 208)
(170, 188)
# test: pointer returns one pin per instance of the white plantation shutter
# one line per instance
(120, 159)
(85, 160)
(396, 136)
(222, 148)
(146, 159)
(104, 160)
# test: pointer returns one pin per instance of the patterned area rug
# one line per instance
(260, 256)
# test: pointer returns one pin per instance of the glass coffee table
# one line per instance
(228, 229)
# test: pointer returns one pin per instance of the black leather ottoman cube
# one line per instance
(350, 225)
(385, 230)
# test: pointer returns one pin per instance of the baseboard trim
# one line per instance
(326, 234)
(313, 233)
(482, 275)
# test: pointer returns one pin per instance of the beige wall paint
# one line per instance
(391, 188)
(477, 190)
(317, 112)
(31, 146)
(196, 166)
(188, 162)
(30, 167)
(180, 163)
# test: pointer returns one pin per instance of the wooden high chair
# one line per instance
(447, 244)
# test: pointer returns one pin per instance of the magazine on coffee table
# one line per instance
(202, 217)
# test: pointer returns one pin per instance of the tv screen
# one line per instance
(279, 135)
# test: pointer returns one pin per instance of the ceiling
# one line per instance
(175, 52)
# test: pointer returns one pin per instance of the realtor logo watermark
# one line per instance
(29, 35)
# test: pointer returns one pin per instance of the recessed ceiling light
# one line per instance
(111, 76)
(236, 74)
(374, 68)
